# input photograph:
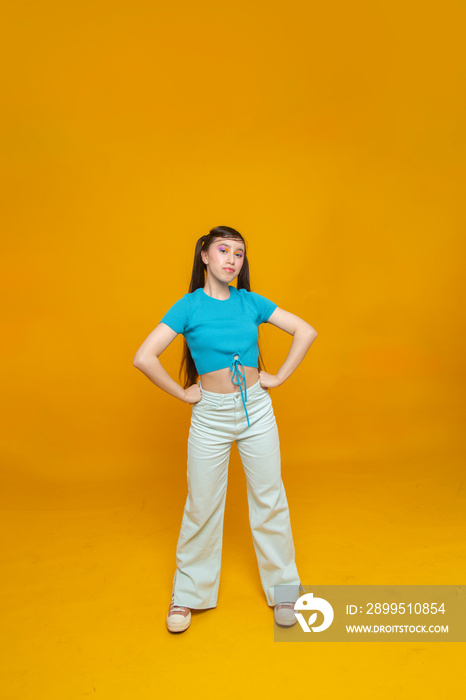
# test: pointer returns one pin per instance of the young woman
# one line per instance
(230, 403)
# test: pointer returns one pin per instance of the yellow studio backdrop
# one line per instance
(332, 136)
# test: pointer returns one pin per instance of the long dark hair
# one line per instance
(198, 280)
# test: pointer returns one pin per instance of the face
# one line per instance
(224, 259)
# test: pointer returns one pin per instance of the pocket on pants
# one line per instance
(205, 405)
(262, 394)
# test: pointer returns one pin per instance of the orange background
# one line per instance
(332, 137)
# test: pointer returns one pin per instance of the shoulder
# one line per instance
(181, 302)
(244, 293)
(188, 298)
(263, 307)
(254, 297)
(180, 307)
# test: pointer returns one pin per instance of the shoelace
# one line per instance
(239, 376)
(176, 608)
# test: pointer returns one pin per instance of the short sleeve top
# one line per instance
(216, 330)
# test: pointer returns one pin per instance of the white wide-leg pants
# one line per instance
(217, 421)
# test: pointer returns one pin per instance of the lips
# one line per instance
(228, 269)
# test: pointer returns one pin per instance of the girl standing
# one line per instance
(230, 403)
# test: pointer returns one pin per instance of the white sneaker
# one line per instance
(284, 614)
(178, 618)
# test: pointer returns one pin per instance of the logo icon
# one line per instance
(308, 603)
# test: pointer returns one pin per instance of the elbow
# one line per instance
(312, 337)
(312, 332)
(141, 361)
(309, 332)
(137, 361)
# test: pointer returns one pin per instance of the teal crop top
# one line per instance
(218, 330)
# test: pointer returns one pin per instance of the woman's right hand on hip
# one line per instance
(193, 394)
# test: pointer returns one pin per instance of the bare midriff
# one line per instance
(220, 381)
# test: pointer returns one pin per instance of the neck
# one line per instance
(216, 289)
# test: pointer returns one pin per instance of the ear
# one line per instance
(204, 256)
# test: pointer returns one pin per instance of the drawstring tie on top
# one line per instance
(239, 376)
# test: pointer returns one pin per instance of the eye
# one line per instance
(240, 255)
(222, 250)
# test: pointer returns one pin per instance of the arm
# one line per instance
(303, 337)
(147, 360)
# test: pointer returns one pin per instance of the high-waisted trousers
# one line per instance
(217, 421)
